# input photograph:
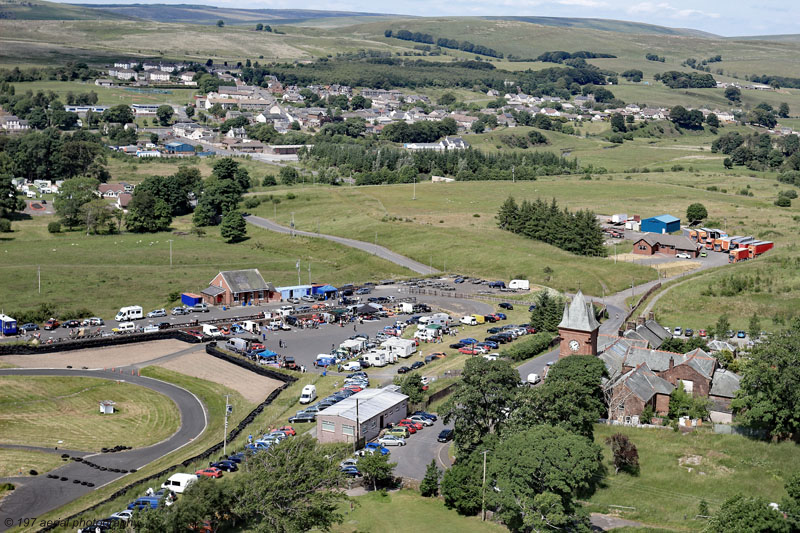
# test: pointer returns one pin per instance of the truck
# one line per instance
(132, 312)
(519, 284)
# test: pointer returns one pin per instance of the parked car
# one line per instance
(399, 431)
(688, 332)
(372, 447)
(683, 256)
(180, 311)
(30, 326)
(740, 334)
(94, 321)
(391, 440)
(303, 417)
(445, 435)
(470, 350)
(51, 324)
(226, 465)
(429, 416)
(403, 370)
(507, 306)
(677, 331)
(731, 334)
(211, 471)
(702, 333)
(289, 430)
(417, 364)
(410, 427)
(200, 308)
(409, 422)
(351, 471)
(421, 420)
(157, 313)
(71, 324)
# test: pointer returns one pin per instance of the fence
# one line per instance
(472, 296)
(639, 302)
(235, 432)
(98, 342)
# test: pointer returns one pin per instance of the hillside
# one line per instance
(39, 10)
(620, 26)
(198, 14)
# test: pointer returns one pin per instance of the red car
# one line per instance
(703, 333)
(289, 430)
(410, 427)
(409, 422)
(211, 471)
(194, 333)
(354, 389)
(51, 324)
(469, 350)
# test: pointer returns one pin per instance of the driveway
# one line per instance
(413, 458)
(35, 496)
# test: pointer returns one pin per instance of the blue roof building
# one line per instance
(178, 147)
(661, 224)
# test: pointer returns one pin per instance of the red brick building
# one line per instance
(665, 244)
(239, 287)
(578, 328)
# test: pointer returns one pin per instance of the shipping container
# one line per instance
(190, 300)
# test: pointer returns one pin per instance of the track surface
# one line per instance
(35, 496)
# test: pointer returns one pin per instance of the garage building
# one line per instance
(362, 416)
(661, 224)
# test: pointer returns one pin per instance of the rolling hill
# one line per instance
(40, 10)
(619, 26)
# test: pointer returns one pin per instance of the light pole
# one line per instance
(228, 409)
(415, 189)
(170, 253)
(39, 277)
(483, 488)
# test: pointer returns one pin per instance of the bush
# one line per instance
(252, 202)
(530, 347)
(291, 196)
(5, 225)
(54, 227)
(783, 201)
(616, 138)
(269, 181)
(6, 486)
(791, 194)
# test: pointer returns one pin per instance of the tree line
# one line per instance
(759, 151)
(441, 42)
(577, 232)
(682, 80)
(561, 56)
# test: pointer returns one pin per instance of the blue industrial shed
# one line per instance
(661, 224)
(176, 147)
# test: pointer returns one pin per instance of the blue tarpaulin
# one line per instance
(266, 354)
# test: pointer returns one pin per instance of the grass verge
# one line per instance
(15, 463)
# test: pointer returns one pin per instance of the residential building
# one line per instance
(13, 123)
(666, 244)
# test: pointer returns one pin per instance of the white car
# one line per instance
(157, 313)
(683, 256)
(490, 356)
(123, 515)
(351, 366)
(392, 440)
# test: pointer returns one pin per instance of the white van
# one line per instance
(353, 366)
(125, 327)
(236, 344)
(469, 320)
(533, 379)
(309, 394)
(133, 312)
(178, 483)
(211, 331)
(520, 284)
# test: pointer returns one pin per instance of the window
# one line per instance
(346, 430)
(688, 386)
(236, 297)
(330, 426)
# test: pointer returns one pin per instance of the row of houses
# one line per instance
(152, 76)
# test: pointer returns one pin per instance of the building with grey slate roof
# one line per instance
(239, 287)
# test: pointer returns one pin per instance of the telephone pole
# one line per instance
(170, 253)
(483, 488)
(414, 197)
(228, 409)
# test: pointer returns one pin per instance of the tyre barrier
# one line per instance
(235, 432)
(32, 349)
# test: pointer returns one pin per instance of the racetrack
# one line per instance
(35, 496)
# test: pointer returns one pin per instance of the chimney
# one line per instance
(651, 315)
(641, 320)
(671, 362)
(631, 325)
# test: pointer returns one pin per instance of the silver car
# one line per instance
(391, 440)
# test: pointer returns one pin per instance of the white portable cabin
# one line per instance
(619, 218)
(406, 307)
(354, 345)
(251, 326)
(401, 347)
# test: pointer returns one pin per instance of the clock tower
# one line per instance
(578, 328)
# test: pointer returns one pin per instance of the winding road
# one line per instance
(370, 248)
(35, 496)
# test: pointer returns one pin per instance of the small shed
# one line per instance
(661, 224)
(8, 325)
(107, 407)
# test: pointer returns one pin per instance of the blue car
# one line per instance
(351, 471)
(501, 316)
(375, 446)
(468, 340)
(429, 416)
(458, 280)
(741, 334)
(489, 344)
(531, 307)
(236, 457)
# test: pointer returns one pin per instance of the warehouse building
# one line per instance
(362, 416)
(661, 224)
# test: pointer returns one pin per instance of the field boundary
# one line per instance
(211, 350)
(33, 349)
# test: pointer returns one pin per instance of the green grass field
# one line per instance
(376, 512)
(21, 462)
(106, 95)
(667, 494)
(63, 412)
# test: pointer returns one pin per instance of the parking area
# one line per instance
(413, 458)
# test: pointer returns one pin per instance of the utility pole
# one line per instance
(170, 253)
(376, 243)
(513, 175)
(274, 210)
(631, 287)
(297, 266)
(415, 189)
(228, 409)
(309, 272)
(483, 488)
(292, 225)
(39, 276)
(358, 429)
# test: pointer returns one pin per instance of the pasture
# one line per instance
(64, 412)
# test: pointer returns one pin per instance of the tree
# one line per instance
(96, 215)
(269, 181)
(201, 502)
(376, 469)
(684, 118)
(461, 484)
(742, 514)
(119, 113)
(288, 175)
(411, 386)
(618, 123)
(164, 114)
(189, 110)
(783, 110)
(71, 196)
(536, 476)
(626, 457)
(233, 228)
(548, 311)
(147, 213)
(733, 94)
(791, 503)
(259, 27)
(682, 403)
(479, 405)
(754, 327)
(696, 213)
(154, 138)
(430, 483)
(722, 327)
(712, 120)
(447, 98)
(292, 487)
(220, 23)
(359, 102)
(9, 199)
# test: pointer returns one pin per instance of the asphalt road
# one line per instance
(35, 496)
(380, 251)
(413, 458)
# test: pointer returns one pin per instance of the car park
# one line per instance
(157, 313)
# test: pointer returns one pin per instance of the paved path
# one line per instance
(35, 496)
(379, 251)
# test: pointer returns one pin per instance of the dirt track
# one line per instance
(111, 357)
(253, 387)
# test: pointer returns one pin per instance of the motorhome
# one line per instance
(377, 358)
(405, 307)
(133, 312)
(309, 394)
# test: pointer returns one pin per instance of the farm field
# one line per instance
(113, 267)
(18, 463)
(49, 411)
(134, 170)
(677, 471)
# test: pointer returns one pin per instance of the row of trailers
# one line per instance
(737, 247)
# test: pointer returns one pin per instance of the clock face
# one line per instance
(574, 345)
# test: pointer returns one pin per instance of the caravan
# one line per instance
(133, 312)
(519, 284)
(376, 358)
(401, 347)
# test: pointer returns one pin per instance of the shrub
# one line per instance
(5, 225)
(7, 486)
(54, 227)
(783, 201)
(252, 202)
(290, 196)
(530, 347)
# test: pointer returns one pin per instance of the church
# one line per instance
(640, 374)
